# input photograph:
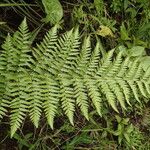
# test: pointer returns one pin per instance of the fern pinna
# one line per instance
(62, 73)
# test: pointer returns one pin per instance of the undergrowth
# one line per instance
(69, 90)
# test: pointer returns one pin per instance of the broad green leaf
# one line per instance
(120, 138)
(125, 121)
(105, 31)
(118, 118)
(122, 49)
(130, 128)
(53, 10)
(124, 33)
(137, 51)
(127, 137)
(145, 62)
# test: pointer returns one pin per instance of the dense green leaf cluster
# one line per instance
(61, 73)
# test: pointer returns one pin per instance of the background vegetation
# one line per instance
(124, 24)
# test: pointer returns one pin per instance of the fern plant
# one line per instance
(62, 73)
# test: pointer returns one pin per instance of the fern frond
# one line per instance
(71, 54)
(108, 94)
(118, 92)
(94, 94)
(62, 72)
(124, 67)
(125, 89)
(35, 99)
(51, 97)
(94, 61)
(115, 66)
(19, 79)
(69, 63)
(147, 86)
(107, 62)
(64, 45)
(19, 104)
(81, 97)
(67, 99)
(133, 68)
(146, 75)
(45, 50)
(84, 57)
(5, 68)
(134, 89)
(141, 88)
(139, 72)
(21, 42)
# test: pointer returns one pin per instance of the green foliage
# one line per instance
(135, 22)
(61, 73)
(92, 16)
(53, 10)
(124, 130)
(67, 75)
(15, 62)
(23, 142)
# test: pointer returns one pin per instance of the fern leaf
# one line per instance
(109, 95)
(21, 42)
(125, 89)
(51, 98)
(94, 61)
(61, 72)
(117, 91)
(45, 50)
(94, 95)
(81, 97)
(123, 68)
(84, 57)
(141, 88)
(19, 105)
(139, 72)
(18, 85)
(5, 68)
(134, 89)
(69, 63)
(115, 66)
(67, 99)
(147, 86)
(35, 100)
(133, 69)
(106, 64)
(146, 74)
(64, 45)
